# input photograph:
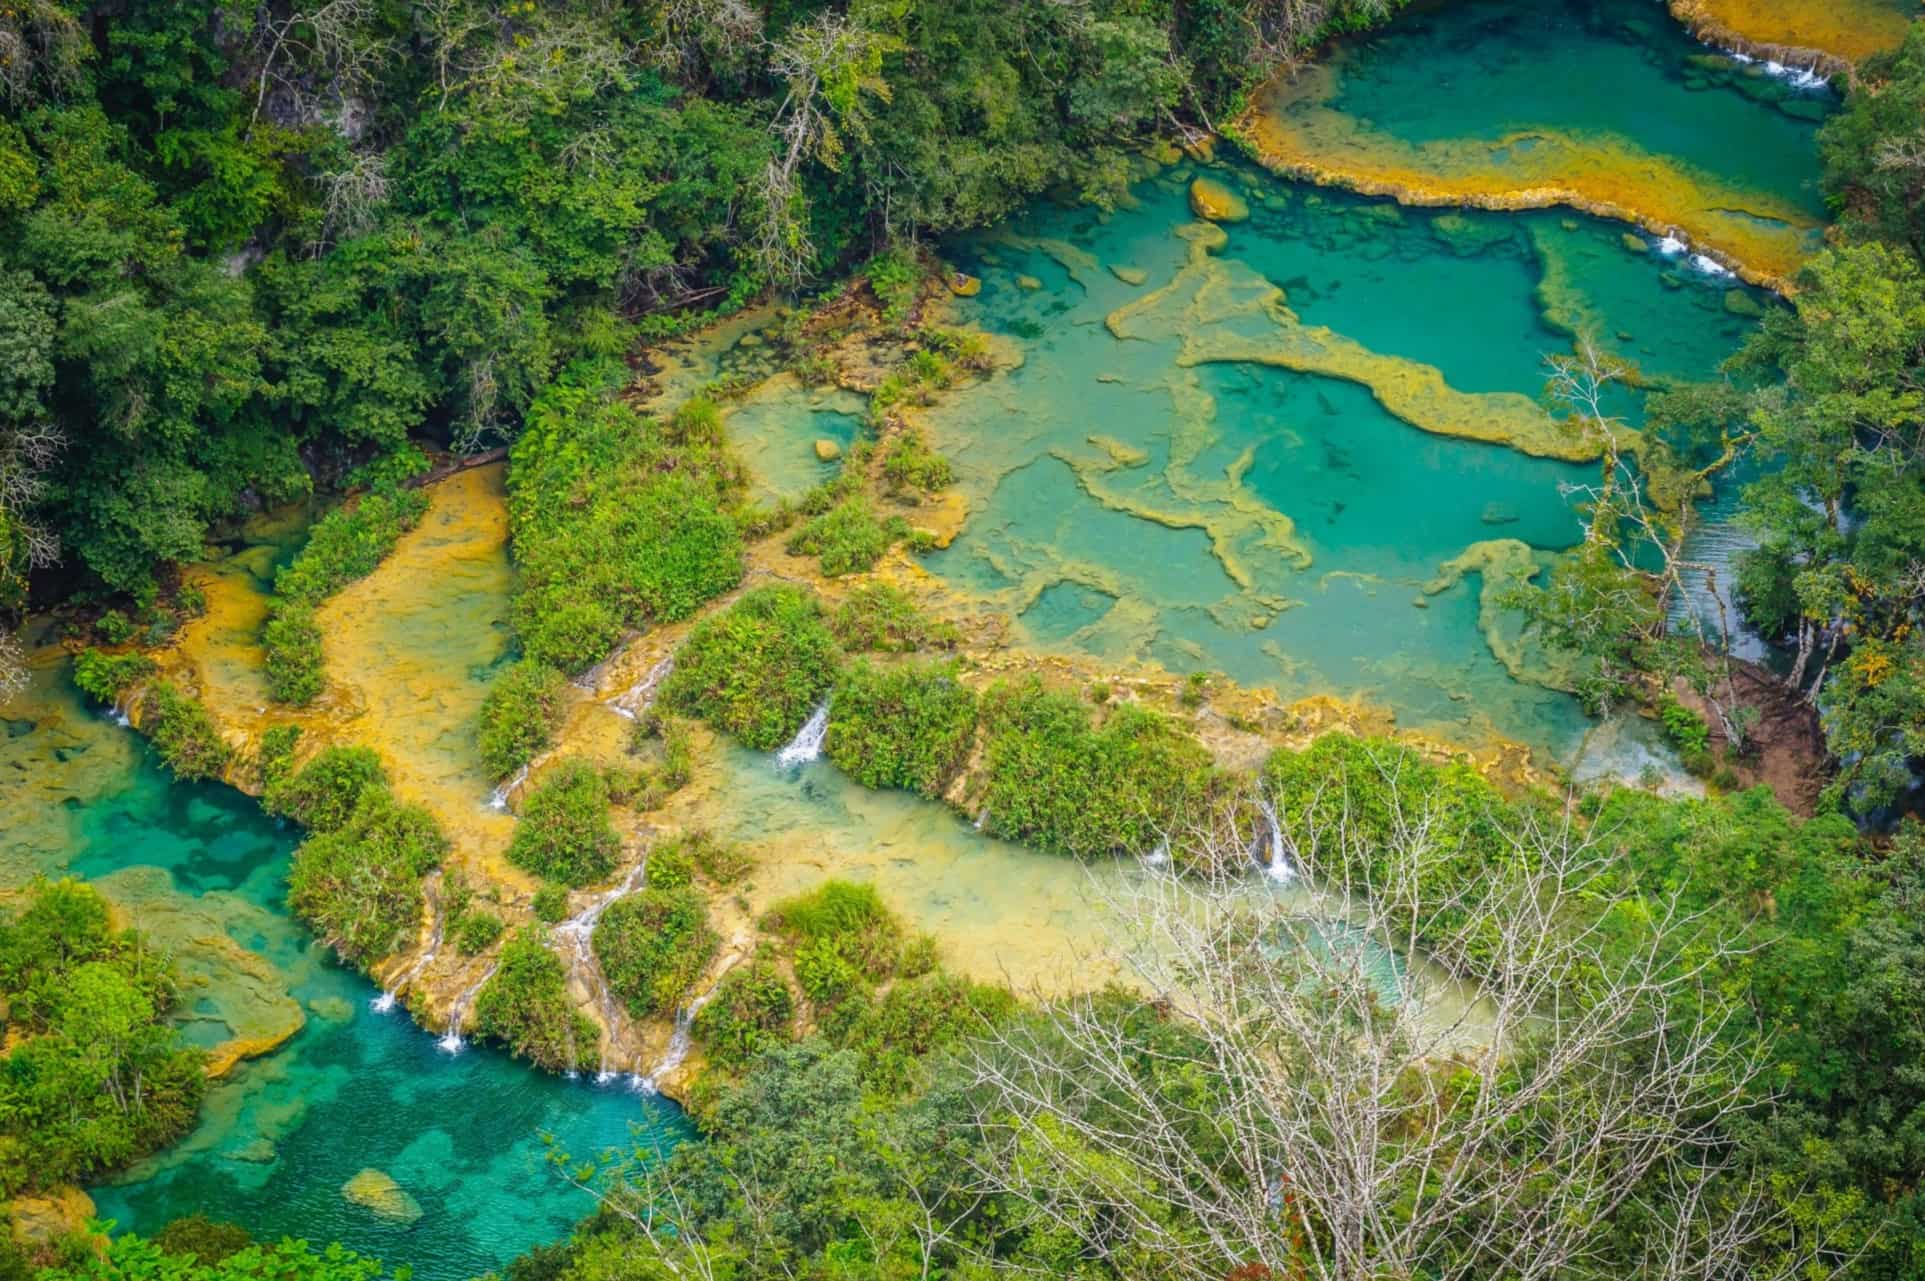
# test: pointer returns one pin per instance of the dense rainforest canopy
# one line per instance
(248, 253)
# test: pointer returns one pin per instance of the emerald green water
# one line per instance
(463, 1135)
(1378, 504)
(1486, 69)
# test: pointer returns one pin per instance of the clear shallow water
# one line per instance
(1121, 491)
(353, 1089)
(1607, 104)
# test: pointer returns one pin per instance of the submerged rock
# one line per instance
(1468, 237)
(333, 1009)
(1129, 275)
(1634, 243)
(380, 1195)
(1211, 199)
(1740, 303)
(1498, 514)
(1028, 282)
(827, 451)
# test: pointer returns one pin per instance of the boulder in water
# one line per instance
(1129, 275)
(1634, 244)
(827, 451)
(379, 1194)
(1028, 282)
(1740, 303)
(964, 285)
(1212, 200)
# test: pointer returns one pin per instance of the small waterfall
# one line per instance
(577, 933)
(640, 696)
(1277, 866)
(681, 1040)
(1672, 245)
(1160, 856)
(498, 799)
(1710, 266)
(386, 1001)
(806, 746)
(451, 1042)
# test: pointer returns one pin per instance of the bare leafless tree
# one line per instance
(43, 50)
(1646, 538)
(831, 66)
(1339, 1107)
(319, 60)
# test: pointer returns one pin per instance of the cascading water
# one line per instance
(451, 1042)
(386, 1001)
(498, 799)
(806, 746)
(640, 696)
(577, 934)
(1278, 866)
(681, 1040)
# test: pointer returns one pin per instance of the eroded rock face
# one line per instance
(49, 1215)
(1212, 200)
(378, 1193)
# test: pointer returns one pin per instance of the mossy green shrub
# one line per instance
(346, 544)
(564, 833)
(907, 726)
(843, 939)
(667, 742)
(104, 677)
(359, 886)
(274, 758)
(183, 734)
(204, 1240)
(292, 661)
(1056, 779)
(616, 518)
(323, 795)
(95, 1075)
(670, 866)
(550, 903)
(652, 946)
(910, 466)
(520, 715)
(917, 1017)
(758, 668)
(476, 931)
(526, 1007)
(722, 862)
(752, 1009)
(849, 538)
(884, 619)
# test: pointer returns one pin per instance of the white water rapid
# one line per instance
(807, 743)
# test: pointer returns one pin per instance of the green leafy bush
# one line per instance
(526, 1005)
(359, 885)
(908, 464)
(104, 677)
(842, 934)
(758, 668)
(917, 1017)
(564, 833)
(1685, 728)
(881, 618)
(292, 662)
(95, 1076)
(1057, 780)
(616, 518)
(652, 946)
(751, 1010)
(849, 538)
(324, 794)
(519, 716)
(476, 932)
(275, 756)
(550, 904)
(909, 726)
(183, 734)
(669, 865)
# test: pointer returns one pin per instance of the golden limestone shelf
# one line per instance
(1828, 34)
(1291, 129)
